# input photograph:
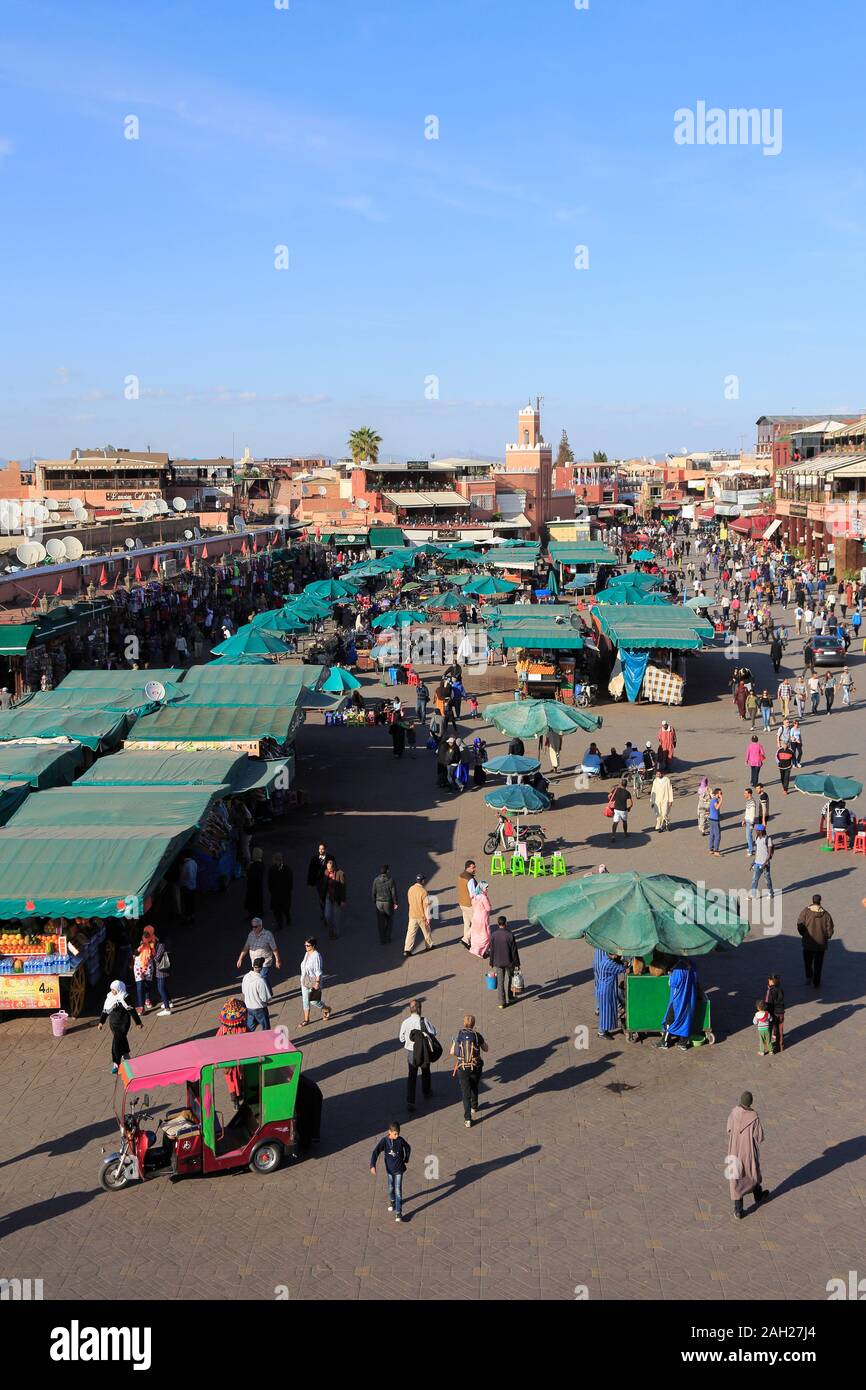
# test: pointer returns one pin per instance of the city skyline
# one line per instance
(431, 284)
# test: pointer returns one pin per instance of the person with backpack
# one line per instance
(761, 861)
(397, 1153)
(418, 1037)
(467, 1049)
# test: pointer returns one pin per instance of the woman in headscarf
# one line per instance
(479, 935)
(120, 1014)
(740, 698)
(233, 1019)
(704, 806)
(254, 899)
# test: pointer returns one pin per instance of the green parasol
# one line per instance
(700, 601)
(330, 590)
(531, 718)
(488, 585)
(827, 787)
(634, 914)
(249, 644)
(339, 680)
(519, 798)
(398, 617)
(278, 620)
(449, 601)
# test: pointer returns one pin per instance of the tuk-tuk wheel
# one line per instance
(267, 1157)
(112, 1176)
(710, 1036)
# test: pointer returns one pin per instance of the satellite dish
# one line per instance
(74, 548)
(155, 690)
(187, 535)
(56, 549)
(75, 504)
(129, 543)
(323, 492)
(30, 553)
(40, 512)
(179, 504)
(13, 515)
(52, 504)
(363, 503)
(162, 506)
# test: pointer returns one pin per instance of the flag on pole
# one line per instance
(204, 552)
(103, 578)
(35, 603)
(138, 571)
(59, 590)
(187, 562)
(155, 565)
(243, 547)
(255, 544)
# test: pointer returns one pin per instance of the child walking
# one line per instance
(396, 1151)
(763, 1021)
(774, 999)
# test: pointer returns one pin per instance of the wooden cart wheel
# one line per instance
(109, 956)
(633, 1037)
(77, 989)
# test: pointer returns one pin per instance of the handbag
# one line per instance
(434, 1046)
(518, 984)
(608, 810)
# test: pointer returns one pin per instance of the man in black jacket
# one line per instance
(505, 959)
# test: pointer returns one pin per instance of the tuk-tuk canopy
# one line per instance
(174, 1066)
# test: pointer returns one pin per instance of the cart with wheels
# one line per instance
(42, 970)
(646, 1003)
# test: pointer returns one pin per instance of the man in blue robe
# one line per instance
(607, 971)
(679, 1020)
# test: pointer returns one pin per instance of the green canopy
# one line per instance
(330, 589)
(830, 788)
(40, 764)
(514, 557)
(622, 595)
(220, 683)
(307, 608)
(635, 914)
(642, 557)
(11, 796)
(231, 773)
(450, 602)
(385, 537)
(278, 620)
(127, 698)
(96, 729)
(108, 806)
(520, 798)
(535, 637)
(531, 718)
(488, 585)
(581, 553)
(398, 617)
(15, 638)
(216, 724)
(249, 644)
(636, 579)
(637, 628)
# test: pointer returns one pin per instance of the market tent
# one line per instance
(40, 764)
(11, 796)
(216, 724)
(232, 773)
(107, 806)
(120, 699)
(398, 617)
(119, 682)
(514, 557)
(490, 584)
(636, 914)
(581, 553)
(307, 608)
(386, 537)
(636, 579)
(96, 729)
(448, 602)
(531, 718)
(623, 594)
(278, 620)
(642, 557)
(84, 871)
(330, 589)
(634, 628)
(535, 637)
(221, 683)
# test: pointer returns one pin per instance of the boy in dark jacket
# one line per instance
(396, 1151)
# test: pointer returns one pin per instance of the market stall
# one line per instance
(650, 642)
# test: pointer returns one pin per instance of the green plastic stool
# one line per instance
(518, 865)
(557, 864)
(537, 867)
(497, 865)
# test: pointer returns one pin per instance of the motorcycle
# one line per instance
(587, 696)
(533, 836)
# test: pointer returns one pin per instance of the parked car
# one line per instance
(829, 650)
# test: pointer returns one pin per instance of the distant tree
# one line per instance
(598, 456)
(364, 444)
(565, 453)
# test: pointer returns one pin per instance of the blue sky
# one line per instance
(411, 258)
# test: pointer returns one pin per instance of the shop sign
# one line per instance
(29, 992)
(796, 508)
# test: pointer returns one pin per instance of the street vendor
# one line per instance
(685, 995)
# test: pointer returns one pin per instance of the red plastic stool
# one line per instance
(840, 840)
(860, 842)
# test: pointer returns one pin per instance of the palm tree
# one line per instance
(364, 445)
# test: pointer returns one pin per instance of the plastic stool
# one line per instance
(538, 869)
(840, 840)
(860, 842)
(497, 865)
(557, 864)
(518, 864)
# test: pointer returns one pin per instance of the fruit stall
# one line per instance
(43, 968)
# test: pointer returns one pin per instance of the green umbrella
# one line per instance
(635, 914)
(512, 765)
(398, 617)
(552, 584)
(642, 557)
(447, 601)
(330, 590)
(306, 608)
(338, 680)
(278, 620)
(519, 798)
(700, 601)
(636, 579)
(581, 581)
(250, 643)
(830, 788)
(531, 718)
(488, 585)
